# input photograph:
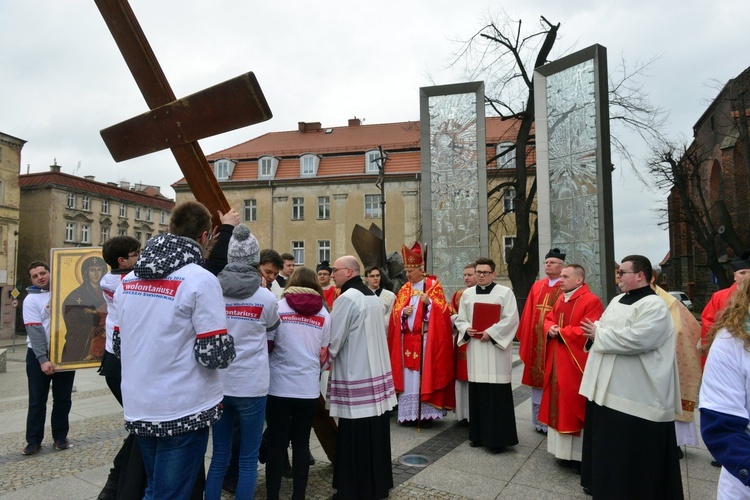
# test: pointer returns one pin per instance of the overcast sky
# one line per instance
(63, 78)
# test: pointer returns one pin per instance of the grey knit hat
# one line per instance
(243, 247)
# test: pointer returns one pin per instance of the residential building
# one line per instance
(10, 161)
(62, 210)
(721, 148)
(303, 191)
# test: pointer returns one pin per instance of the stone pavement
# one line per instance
(455, 471)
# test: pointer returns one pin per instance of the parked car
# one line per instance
(682, 297)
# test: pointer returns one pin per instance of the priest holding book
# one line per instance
(487, 321)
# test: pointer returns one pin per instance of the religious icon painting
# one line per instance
(78, 311)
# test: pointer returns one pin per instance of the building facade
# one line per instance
(721, 149)
(304, 191)
(10, 162)
(60, 210)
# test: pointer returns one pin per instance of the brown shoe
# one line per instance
(62, 445)
(31, 449)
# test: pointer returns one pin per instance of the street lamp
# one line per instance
(380, 184)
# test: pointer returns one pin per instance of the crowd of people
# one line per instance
(207, 331)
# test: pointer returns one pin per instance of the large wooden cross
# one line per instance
(172, 123)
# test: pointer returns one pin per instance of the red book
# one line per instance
(485, 315)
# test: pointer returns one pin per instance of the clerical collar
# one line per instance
(485, 290)
(634, 296)
(569, 294)
(356, 282)
(376, 291)
(552, 282)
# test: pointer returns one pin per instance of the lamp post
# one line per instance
(380, 184)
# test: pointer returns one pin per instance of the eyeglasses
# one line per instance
(337, 269)
(620, 273)
(483, 273)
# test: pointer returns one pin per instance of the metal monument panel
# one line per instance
(454, 179)
(574, 165)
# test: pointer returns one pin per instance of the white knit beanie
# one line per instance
(243, 247)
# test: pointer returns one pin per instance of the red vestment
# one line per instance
(462, 368)
(562, 408)
(330, 294)
(718, 302)
(437, 386)
(531, 334)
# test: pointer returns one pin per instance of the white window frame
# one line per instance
(139, 237)
(137, 213)
(122, 232)
(265, 167)
(70, 231)
(372, 165)
(149, 214)
(163, 219)
(123, 210)
(86, 203)
(298, 208)
(509, 200)
(324, 250)
(324, 208)
(307, 167)
(105, 207)
(222, 169)
(104, 234)
(372, 206)
(85, 233)
(508, 242)
(507, 160)
(250, 210)
(71, 200)
(298, 250)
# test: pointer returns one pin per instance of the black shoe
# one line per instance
(475, 444)
(463, 423)
(109, 492)
(588, 491)
(62, 444)
(31, 449)
(497, 449)
(408, 423)
(425, 424)
(312, 458)
(715, 463)
(680, 453)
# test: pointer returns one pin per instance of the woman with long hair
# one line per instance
(300, 347)
(724, 400)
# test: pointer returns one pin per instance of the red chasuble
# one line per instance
(437, 365)
(530, 333)
(562, 408)
(330, 294)
(718, 302)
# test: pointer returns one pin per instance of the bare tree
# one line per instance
(504, 56)
(680, 169)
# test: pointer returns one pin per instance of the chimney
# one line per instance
(124, 184)
(55, 167)
(308, 127)
(89, 177)
(355, 122)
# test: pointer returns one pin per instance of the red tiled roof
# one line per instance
(342, 149)
(43, 179)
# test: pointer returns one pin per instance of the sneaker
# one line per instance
(31, 449)
(62, 444)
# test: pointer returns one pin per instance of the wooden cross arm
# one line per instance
(236, 103)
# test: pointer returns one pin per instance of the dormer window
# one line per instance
(372, 162)
(267, 166)
(223, 169)
(309, 165)
(506, 157)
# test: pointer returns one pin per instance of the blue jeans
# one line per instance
(251, 413)
(39, 382)
(172, 463)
